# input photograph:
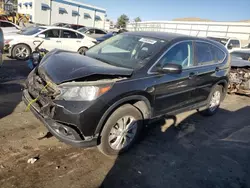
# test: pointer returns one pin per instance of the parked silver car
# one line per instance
(92, 32)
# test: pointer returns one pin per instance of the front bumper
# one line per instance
(7, 50)
(65, 133)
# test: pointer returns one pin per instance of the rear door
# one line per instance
(207, 69)
(172, 91)
(52, 39)
(71, 40)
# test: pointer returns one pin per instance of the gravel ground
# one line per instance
(199, 152)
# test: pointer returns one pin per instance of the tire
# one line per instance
(82, 50)
(21, 52)
(108, 143)
(212, 109)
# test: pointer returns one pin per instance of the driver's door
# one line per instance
(173, 91)
(52, 39)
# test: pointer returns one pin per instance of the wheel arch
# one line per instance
(20, 44)
(140, 102)
(82, 47)
(224, 84)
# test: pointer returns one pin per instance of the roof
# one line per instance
(159, 35)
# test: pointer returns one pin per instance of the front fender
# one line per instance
(117, 104)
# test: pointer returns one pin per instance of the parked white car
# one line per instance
(9, 28)
(21, 45)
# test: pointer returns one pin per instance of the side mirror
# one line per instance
(88, 32)
(170, 68)
(41, 36)
(230, 46)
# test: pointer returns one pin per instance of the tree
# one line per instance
(137, 19)
(122, 21)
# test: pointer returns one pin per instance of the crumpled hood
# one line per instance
(61, 66)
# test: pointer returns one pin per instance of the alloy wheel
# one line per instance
(123, 132)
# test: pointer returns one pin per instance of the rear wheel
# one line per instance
(214, 102)
(121, 130)
(82, 50)
(21, 52)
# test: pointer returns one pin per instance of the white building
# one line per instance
(65, 11)
(238, 30)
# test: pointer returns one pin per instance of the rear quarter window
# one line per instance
(204, 53)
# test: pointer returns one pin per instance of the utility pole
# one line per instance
(94, 19)
(78, 15)
(50, 12)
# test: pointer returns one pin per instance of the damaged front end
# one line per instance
(65, 96)
(239, 77)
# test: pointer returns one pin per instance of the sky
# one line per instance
(148, 10)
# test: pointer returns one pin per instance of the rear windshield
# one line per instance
(32, 30)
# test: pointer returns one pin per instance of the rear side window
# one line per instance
(69, 34)
(204, 53)
(98, 31)
(219, 54)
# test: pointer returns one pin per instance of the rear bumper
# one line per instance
(58, 129)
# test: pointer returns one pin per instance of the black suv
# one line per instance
(106, 97)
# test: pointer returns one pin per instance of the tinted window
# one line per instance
(69, 34)
(79, 36)
(90, 31)
(180, 54)
(52, 33)
(6, 24)
(219, 54)
(98, 31)
(235, 43)
(204, 53)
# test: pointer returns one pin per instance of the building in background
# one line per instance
(239, 30)
(49, 12)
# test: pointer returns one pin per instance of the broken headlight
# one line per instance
(83, 93)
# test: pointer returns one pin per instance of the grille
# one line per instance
(38, 89)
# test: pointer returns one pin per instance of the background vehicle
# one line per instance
(92, 32)
(9, 28)
(8, 12)
(1, 46)
(110, 34)
(230, 43)
(244, 55)
(72, 26)
(21, 45)
(106, 97)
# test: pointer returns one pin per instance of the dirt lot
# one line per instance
(201, 152)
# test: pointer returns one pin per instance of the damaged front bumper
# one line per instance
(64, 132)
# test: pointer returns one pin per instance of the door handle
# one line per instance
(78, 41)
(192, 75)
(58, 41)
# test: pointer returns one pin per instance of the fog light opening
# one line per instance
(63, 131)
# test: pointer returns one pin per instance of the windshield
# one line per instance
(82, 29)
(31, 30)
(126, 50)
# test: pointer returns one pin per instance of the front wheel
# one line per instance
(121, 130)
(21, 52)
(214, 102)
